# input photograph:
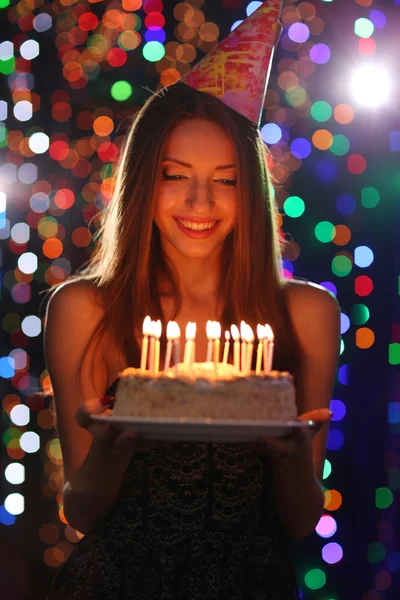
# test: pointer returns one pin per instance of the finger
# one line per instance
(105, 434)
(320, 415)
(94, 406)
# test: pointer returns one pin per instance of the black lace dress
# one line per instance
(197, 521)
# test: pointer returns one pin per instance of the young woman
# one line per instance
(190, 235)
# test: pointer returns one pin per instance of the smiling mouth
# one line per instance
(197, 226)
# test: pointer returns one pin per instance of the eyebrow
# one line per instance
(185, 164)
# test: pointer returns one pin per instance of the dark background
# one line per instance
(34, 544)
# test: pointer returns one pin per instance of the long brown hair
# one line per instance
(128, 254)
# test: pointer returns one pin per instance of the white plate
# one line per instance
(203, 430)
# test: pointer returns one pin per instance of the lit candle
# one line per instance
(270, 337)
(157, 334)
(145, 342)
(177, 340)
(188, 357)
(261, 335)
(265, 348)
(236, 347)
(171, 334)
(152, 348)
(249, 340)
(226, 347)
(209, 332)
(243, 364)
(217, 337)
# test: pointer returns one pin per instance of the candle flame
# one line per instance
(157, 329)
(147, 326)
(261, 333)
(235, 332)
(191, 331)
(248, 335)
(227, 336)
(213, 330)
(173, 331)
(269, 333)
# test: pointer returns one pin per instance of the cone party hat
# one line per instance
(237, 70)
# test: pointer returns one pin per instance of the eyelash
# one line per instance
(231, 182)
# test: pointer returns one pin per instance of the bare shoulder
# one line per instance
(315, 314)
(77, 293)
(307, 299)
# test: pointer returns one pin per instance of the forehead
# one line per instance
(195, 138)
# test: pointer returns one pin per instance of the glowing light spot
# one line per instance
(338, 409)
(320, 54)
(325, 231)
(20, 415)
(299, 33)
(31, 326)
(363, 285)
(28, 262)
(14, 504)
(294, 207)
(29, 49)
(20, 233)
(321, 111)
(332, 553)
(39, 142)
(333, 500)
(340, 145)
(315, 579)
(363, 256)
(7, 367)
(23, 110)
(300, 148)
(271, 133)
(121, 90)
(383, 498)
(327, 469)
(356, 164)
(363, 28)
(365, 338)
(344, 323)
(370, 197)
(42, 22)
(326, 527)
(15, 473)
(359, 314)
(371, 85)
(153, 51)
(343, 114)
(27, 173)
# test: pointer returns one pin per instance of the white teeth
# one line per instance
(197, 226)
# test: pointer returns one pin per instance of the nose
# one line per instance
(200, 196)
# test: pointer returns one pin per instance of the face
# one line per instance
(197, 194)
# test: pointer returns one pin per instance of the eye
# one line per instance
(230, 182)
(172, 177)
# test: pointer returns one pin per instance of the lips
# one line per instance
(196, 233)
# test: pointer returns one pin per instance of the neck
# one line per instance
(198, 279)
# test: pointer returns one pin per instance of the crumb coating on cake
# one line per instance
(206, 392)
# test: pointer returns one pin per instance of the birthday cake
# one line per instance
(206, 391)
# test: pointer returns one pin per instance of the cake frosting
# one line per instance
(205, 391)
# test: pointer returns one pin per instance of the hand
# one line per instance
(297, 443)
(117, 439)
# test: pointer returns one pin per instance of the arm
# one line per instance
(316, 319)
(92, 471)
